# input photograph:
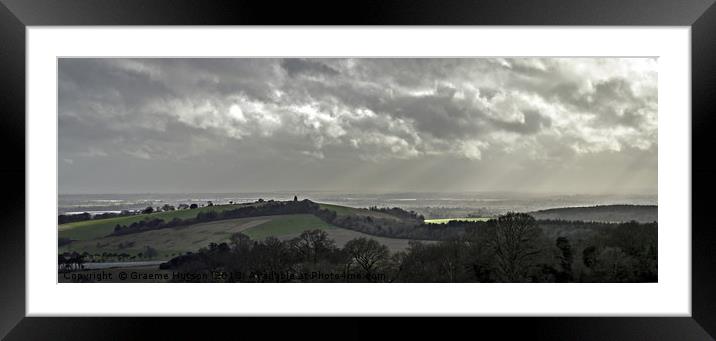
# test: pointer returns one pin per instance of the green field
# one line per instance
(92, 229)
(286, 224)
(445, 221)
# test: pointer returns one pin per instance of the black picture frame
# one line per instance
(16, 15)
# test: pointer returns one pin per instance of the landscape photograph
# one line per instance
(357, 170)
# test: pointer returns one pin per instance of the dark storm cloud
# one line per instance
(439, 114)
(296, 66)
(342, 119)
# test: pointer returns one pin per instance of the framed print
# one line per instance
(540, 165)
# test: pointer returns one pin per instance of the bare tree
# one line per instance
(515, 246)
(367, 253)
(310, 244)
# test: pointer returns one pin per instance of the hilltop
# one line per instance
(176, 232)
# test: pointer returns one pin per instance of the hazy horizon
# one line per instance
(552, 126)
(482, 201)
(341, 191)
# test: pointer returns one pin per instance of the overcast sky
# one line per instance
(551, 125)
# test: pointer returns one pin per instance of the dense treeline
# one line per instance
(71, 218)
(374, 225)
(398, 212)
(511, 248)
(148, 225)
(412, 227)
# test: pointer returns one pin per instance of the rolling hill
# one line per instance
(606, 213)
(91, 229)
(93, 236)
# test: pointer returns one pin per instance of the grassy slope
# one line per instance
(168, 241)
(92, 229)
(286, 224)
